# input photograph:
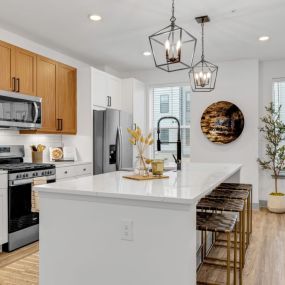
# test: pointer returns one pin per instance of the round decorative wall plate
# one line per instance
(222, 122)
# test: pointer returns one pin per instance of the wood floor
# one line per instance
(265, 262)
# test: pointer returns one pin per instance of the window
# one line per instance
(164, 104)
(171, 101)
(164, 135)
(278, 99)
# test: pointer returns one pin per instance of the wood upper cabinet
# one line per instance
(25, 71)
(7, 66)
(46, 89)
(66, 99)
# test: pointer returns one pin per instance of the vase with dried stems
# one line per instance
(141, 143)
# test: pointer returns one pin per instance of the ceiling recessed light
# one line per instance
(264, 38)
(147, 53)
(95, 18)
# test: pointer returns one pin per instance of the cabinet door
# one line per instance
(66, 98)
(139, 105)
(46, 89)
(115, 92)
(25, 65)
(7, 66)
(99, 88)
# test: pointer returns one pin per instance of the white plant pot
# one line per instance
(276, 204)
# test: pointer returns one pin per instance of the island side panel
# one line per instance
(80, 242)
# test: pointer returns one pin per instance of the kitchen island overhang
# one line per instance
(82, 223)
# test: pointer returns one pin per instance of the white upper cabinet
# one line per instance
(99, 88)
(114, 92)
(134, 101)
(106, 90)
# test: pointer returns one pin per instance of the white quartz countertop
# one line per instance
(183, 187)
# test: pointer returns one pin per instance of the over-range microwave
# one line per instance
(20, 111)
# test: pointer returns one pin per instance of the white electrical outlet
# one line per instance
(127, 230)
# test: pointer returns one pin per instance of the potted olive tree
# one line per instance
(274, 133)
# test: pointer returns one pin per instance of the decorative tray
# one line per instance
(149, 177)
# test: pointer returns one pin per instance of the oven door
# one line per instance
(23, 223)
(19, 111)
(20, 215)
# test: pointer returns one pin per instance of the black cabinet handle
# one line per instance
(84, 169)
(13, 84)
(61, 124)
(18, 84)
(65, 172)
(58, 125)
(110, 101)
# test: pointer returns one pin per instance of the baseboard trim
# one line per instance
(262, 204)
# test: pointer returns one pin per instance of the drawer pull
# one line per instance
(65, 172)
(84, 169)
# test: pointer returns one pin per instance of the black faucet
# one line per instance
(178, 143)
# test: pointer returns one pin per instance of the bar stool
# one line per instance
(226, 205)
(220, 223)
(238, 187)
(239, 195)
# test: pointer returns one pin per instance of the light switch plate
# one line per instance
(127, 230)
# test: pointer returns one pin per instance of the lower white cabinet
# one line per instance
(3, 209)
(75, 170)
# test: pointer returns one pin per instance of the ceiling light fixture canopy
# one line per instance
(203, 74)
(172, 47)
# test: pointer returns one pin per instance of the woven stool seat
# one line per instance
(230, 194)
(235, 186)
(221, 204)
(223, 223)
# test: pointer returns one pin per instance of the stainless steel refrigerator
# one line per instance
(111, 149)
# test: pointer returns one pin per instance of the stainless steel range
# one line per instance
(23, 223)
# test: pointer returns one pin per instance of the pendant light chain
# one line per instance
(203, 52)
(172, 19)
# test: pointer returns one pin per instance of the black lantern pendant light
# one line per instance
(173, 47)
(203, 74)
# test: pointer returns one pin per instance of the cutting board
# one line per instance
(150, 177)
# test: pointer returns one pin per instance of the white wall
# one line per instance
(268, 71)
(83, 139)
(238, 82)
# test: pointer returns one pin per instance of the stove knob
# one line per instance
(43, 173)
(27, 175)
(18, 176)
(34, 174)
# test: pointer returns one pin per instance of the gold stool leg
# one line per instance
(235, 255)
(248, 221)
(202, 246)
(250, 193)
(228, 258)
(243, 238)
(241, 241)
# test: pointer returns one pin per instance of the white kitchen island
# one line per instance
(108, 230)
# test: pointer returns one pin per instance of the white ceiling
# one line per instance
(121, 37)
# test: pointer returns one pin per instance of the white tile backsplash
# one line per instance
(9, 137)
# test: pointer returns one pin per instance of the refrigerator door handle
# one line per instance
(121, 148)
(118, 149)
